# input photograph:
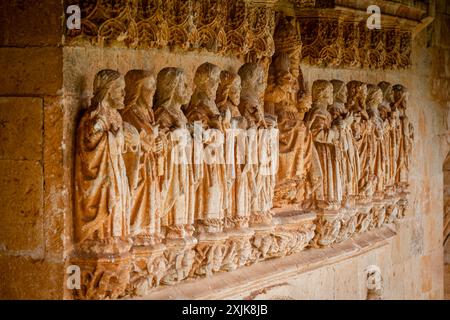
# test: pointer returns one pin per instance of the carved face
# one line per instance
(377, 98)
(399, 94)
(389, 95)
(148, 90)
(328, 94)
(182, 91)
(116, 94)
(342, 95)
(213, 83)
(235, 91)
(363, 91)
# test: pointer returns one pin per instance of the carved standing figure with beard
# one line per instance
(326, 141)
(145, 219)
(177, 203)
(296, 149)
(102, 196)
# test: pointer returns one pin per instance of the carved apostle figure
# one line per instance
(362, 133)
(406, 138)
(228, 99)
(350, 162)
(296, 149)
(262, 142)
(102, 195)
(209, 166)
(390, 122)
(145, 218)
(177, 196)
(374, 100)
(326, 141)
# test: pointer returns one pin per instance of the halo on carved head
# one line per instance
(166, 83)
(102, 83)
(205, 72)
(133, 86)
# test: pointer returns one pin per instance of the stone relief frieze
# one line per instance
(241, 28)
(178, 180)
(233, 27)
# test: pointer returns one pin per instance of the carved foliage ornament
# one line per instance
(219, 26)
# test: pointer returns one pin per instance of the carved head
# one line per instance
(386, 88)
(339, 91)
(357, 94)
(139, 85)
(207, 78)
(171, 87)
(374, 96)
(400, 95)
(322, 92)
(109, 87)
(229, 88)
(252, 77)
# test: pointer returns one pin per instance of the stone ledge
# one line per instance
(267, 273)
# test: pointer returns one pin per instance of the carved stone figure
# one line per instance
(228, 98)
(406, 137)
(261, 153)
(262, 141)
(145, 216)
(390, 149)
(177, 203)
(350, 163)
(102, 195)
(325, 135)
(362, 131)
(209, 170)
(296, 149)
(374, 100)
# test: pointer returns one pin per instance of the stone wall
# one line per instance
(46, 86)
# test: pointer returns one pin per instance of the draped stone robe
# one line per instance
(237, 192)
(102, 196)
(404, 151)
(378, 155)
(362, 132)
(145, 216)
(177, 184)
(347, 151)
(295, 156)
(327, 145)
(210, 200)
(261, 159)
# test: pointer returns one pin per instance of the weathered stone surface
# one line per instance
(31, 23)
(21, 132)
(30, 71)
(21, 184)
(26, 278)
(56, 192)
